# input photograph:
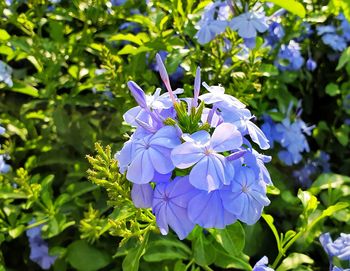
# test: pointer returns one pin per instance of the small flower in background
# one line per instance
(339, 248)
(249, 23)
(274, 34)
(5, 74)
(39, 250)
(311, 65)
(290, 134)
(331, 38)
(210, 25)
(312, 167)
(345, 27)
(289, 57)
(261, 265)
(4, 168)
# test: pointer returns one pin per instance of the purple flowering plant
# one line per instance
(192, 159)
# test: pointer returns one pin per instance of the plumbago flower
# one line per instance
(339, 248)
(290, 134)
(191, 159)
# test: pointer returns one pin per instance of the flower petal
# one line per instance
(141, 170)
(142, 195)
(186, 155)
(226, 137)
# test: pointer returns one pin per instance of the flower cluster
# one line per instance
(290, 134)
(312, 168)
(339, 248)
(192, 162)
(335, 37)
(215, 19)
(5, 74)
(39, 251)
(4, 168)
(289, 57)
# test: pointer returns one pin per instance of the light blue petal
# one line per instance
(206, 210)
(205, 176)
(161, 161)
(167, 137)
(226, 137)
(142, 195)
(257, 135)
(186, 155)
(141, 170)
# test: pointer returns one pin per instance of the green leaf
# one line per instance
(344, 58)
(166, 249)
(269, 221)
(24, 89)
(85, 257)
(203, 251)
(231, 238)
(293, 261)
(332, 89)
(132, 260)
(224, 260)
(328, 180)
(308, 200)
(342, 134)
(334, 208)
(138, 39)
(4, 35)
(290, 5)
(14, 233)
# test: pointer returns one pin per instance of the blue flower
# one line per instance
(341, 247)
(311, 65)
(208, 211)
(152, 154)
(275, 33)
(345, 27)
(325, 29)
(39, 250)
(5, 74)
(247, 197)
(202, 152)
(4, 168)
(209, 27)
(249, 23)
(289, 57)
(142, 195)
(170, 206)
(261, 265)
(335, 41)
(293, 139)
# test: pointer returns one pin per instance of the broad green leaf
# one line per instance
(292, 6)
(166, 249)
(138, 39)
(25, 89)
(332, 89)
(132, 260)
(85, 257)
(4, 35)
(269, 221)
(328, 180)
(293, 261)
(308, 200)
(342, 134)
(203, 251)
(231, 238)
(344, 58)
(225, 260)
(14, 233)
